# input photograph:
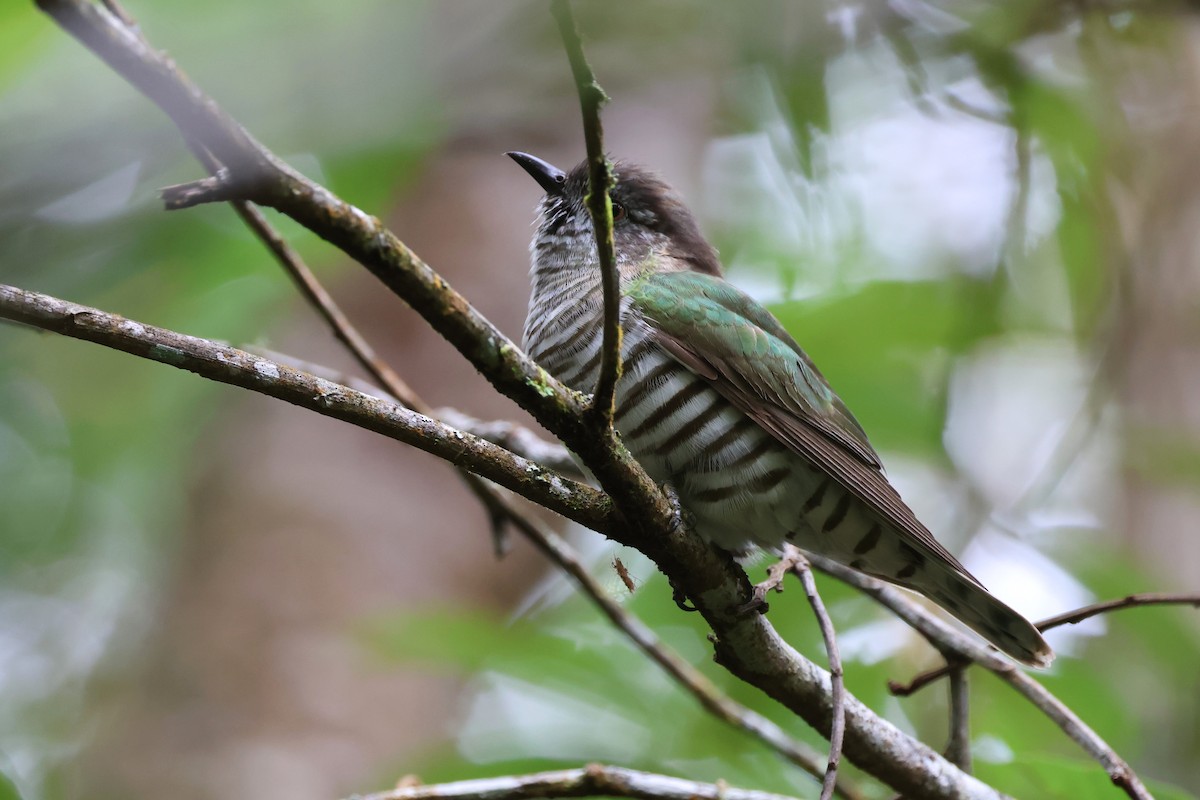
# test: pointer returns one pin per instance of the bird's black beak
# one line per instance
(548, 176)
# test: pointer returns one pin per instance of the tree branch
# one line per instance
(599, 204)
(225, 364)
(516, 438)
(500, 432)
(219, 187)
(591, 781)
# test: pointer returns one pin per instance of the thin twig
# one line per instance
(897, 689)
(958, 749)
(317, 296)
(837, 725)
(594, 780)
(774, 582)
(600, 182)
(968, 647)
(220, 187)
(1129, 601)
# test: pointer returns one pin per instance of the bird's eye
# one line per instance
(618, 212)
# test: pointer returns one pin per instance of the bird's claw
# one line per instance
(758, 599)
(681, 599)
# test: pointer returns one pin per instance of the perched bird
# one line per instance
(719, 400)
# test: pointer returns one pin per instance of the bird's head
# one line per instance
(649, 219)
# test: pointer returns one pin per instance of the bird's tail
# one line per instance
(966, 599)
(924, 566)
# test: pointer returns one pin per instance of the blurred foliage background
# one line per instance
(979, 218)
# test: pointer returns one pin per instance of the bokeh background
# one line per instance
(981, 219)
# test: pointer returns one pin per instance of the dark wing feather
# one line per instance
(724, 336)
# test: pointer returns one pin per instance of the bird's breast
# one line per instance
(726, 468)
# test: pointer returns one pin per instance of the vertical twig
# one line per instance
(837, 724)
(600, 182)
(958, 750)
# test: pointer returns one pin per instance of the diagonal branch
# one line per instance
(598, 201)
(225, 364)
(499, 432)
(594, 780)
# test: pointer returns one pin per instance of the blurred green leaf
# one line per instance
(1051, 778)
(22, 35)
(887, 348)
(8, 789)
(464, 638)
(1165, 458)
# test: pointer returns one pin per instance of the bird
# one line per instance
(718, 401)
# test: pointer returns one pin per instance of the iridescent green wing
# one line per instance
(723, 335)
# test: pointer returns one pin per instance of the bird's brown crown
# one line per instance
(644, 201)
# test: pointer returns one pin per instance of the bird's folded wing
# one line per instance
(726, 337)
